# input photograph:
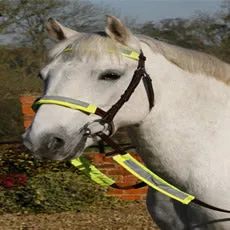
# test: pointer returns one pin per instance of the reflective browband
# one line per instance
(124, 51)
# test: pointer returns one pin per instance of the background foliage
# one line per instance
(54, 192)
(29, 185)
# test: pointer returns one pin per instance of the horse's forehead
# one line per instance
(87, 46)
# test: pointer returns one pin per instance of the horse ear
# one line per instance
(116, 30)
(57, 31)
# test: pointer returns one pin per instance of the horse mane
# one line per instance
(190, 60)
(93, 45)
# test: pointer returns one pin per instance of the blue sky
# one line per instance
(148, 10)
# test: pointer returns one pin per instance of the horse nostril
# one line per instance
(55, 143)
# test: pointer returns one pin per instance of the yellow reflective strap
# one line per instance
(150, 178)
(68, 49)
(124, 51)
(89, 109)
(92, 172)
(129, 53)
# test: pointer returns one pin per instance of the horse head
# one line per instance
(93, 68)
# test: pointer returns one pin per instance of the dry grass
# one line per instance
(132, 216)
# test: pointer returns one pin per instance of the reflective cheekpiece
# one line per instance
(150, 178)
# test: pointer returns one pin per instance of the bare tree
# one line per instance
(83, 15)
(225, 4)
(26, 18)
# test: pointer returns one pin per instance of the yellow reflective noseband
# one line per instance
(66, 102)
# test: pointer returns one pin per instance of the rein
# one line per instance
(107, 119)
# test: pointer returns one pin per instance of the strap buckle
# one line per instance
(98, 126)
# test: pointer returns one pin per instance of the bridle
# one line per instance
(108, 116)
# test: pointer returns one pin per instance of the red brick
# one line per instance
(137, 157)
(130, 197)
(27, 124)
(140, 191)
(115, 192)
(98, 157)
(27, 110)
(119, 178)
(28, 117)
(106, 166)
(108, 159)
(26, 105)
(130, 178)
(113, 172)
(27, 99)
(123, 184)
(123, 171)
(105, 171)
(90, 155)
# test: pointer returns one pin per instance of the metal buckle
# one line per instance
(97, 126)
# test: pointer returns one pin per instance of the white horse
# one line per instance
(185, 138)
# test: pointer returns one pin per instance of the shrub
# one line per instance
(18, 68)
(16, 160)
(11, 125)
(28, 185)
(13, 180)
(54, 192)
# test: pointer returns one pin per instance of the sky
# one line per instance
(149, 10)
(155, 10)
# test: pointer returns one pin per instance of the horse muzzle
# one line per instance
(56, 146)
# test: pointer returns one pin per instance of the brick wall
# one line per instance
(105, 164)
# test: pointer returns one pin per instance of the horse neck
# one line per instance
(178, 127)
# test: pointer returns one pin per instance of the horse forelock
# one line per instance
(86, 46)
(190, 60)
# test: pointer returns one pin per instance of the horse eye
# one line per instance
(109, 76)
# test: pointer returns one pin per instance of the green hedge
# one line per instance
(28, 185)
(16, 160)
(54, 192)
